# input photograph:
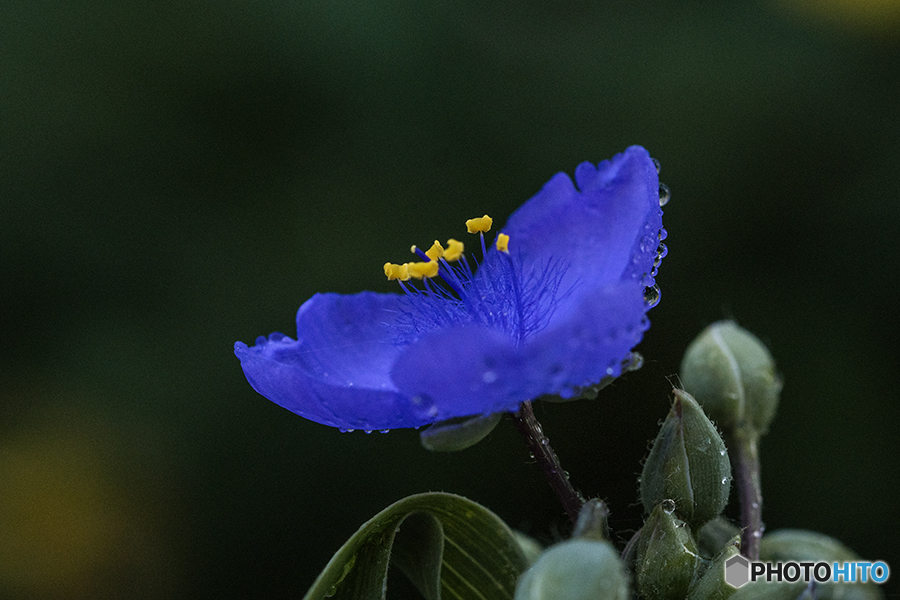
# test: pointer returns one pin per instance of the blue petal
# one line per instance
(477, 370)
(606, 232)
(337, 371)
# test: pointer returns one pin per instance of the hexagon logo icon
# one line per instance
(737, 571)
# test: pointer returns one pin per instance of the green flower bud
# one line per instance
(800, 544)
(797, 545)
(667, 558)
(592, 521)
(716, 535)
(764, 590)
(576, 570)
(732, 375)
(711, 585)
(687, 464)
(458, 434)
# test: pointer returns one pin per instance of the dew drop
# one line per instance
(668, 506)
(656, 164)
(646, 243)
(368, 431)
(722, 452)
(664, 194)
(384, 431)
(724, 480)
(661, 251)
(634, 362)
(489, 377)
(662, 233)
(652, 295)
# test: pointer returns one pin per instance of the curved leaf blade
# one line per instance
(449, 547)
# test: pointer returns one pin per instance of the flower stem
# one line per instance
(745, 462)
(537, 442)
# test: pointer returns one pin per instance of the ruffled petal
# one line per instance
(603, 232)
(338, 370)
(476, 370)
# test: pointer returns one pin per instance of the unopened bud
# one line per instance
(579, 569)
(458, 434)
(667, 557)
(687, 464)
(716, 535)
(711, 585)
(731, 373)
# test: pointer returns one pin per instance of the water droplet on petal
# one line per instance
(652, 295)
(661, 251)
(634, 362)
(662, 234)
(656, 164)
(368, 431)
(384, 431)
(664, 194)
(647, 243)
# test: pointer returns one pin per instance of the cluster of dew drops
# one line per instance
(651, 292)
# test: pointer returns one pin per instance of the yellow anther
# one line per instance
(503, 242)
(392, 272)
(454, 250)
(479, 224)
(435, 252)
(419, 270)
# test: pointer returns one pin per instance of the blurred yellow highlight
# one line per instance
(875, 16)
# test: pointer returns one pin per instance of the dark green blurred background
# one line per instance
(175, 176)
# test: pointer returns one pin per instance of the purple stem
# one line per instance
(745, 462)
(537, 442)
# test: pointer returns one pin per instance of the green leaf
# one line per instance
(448, 546)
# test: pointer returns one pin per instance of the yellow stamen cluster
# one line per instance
(503, 242)
(453, 251)
(479, 224)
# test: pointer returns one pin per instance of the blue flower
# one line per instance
(556, 311)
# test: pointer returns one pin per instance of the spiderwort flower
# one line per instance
(554, 305)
